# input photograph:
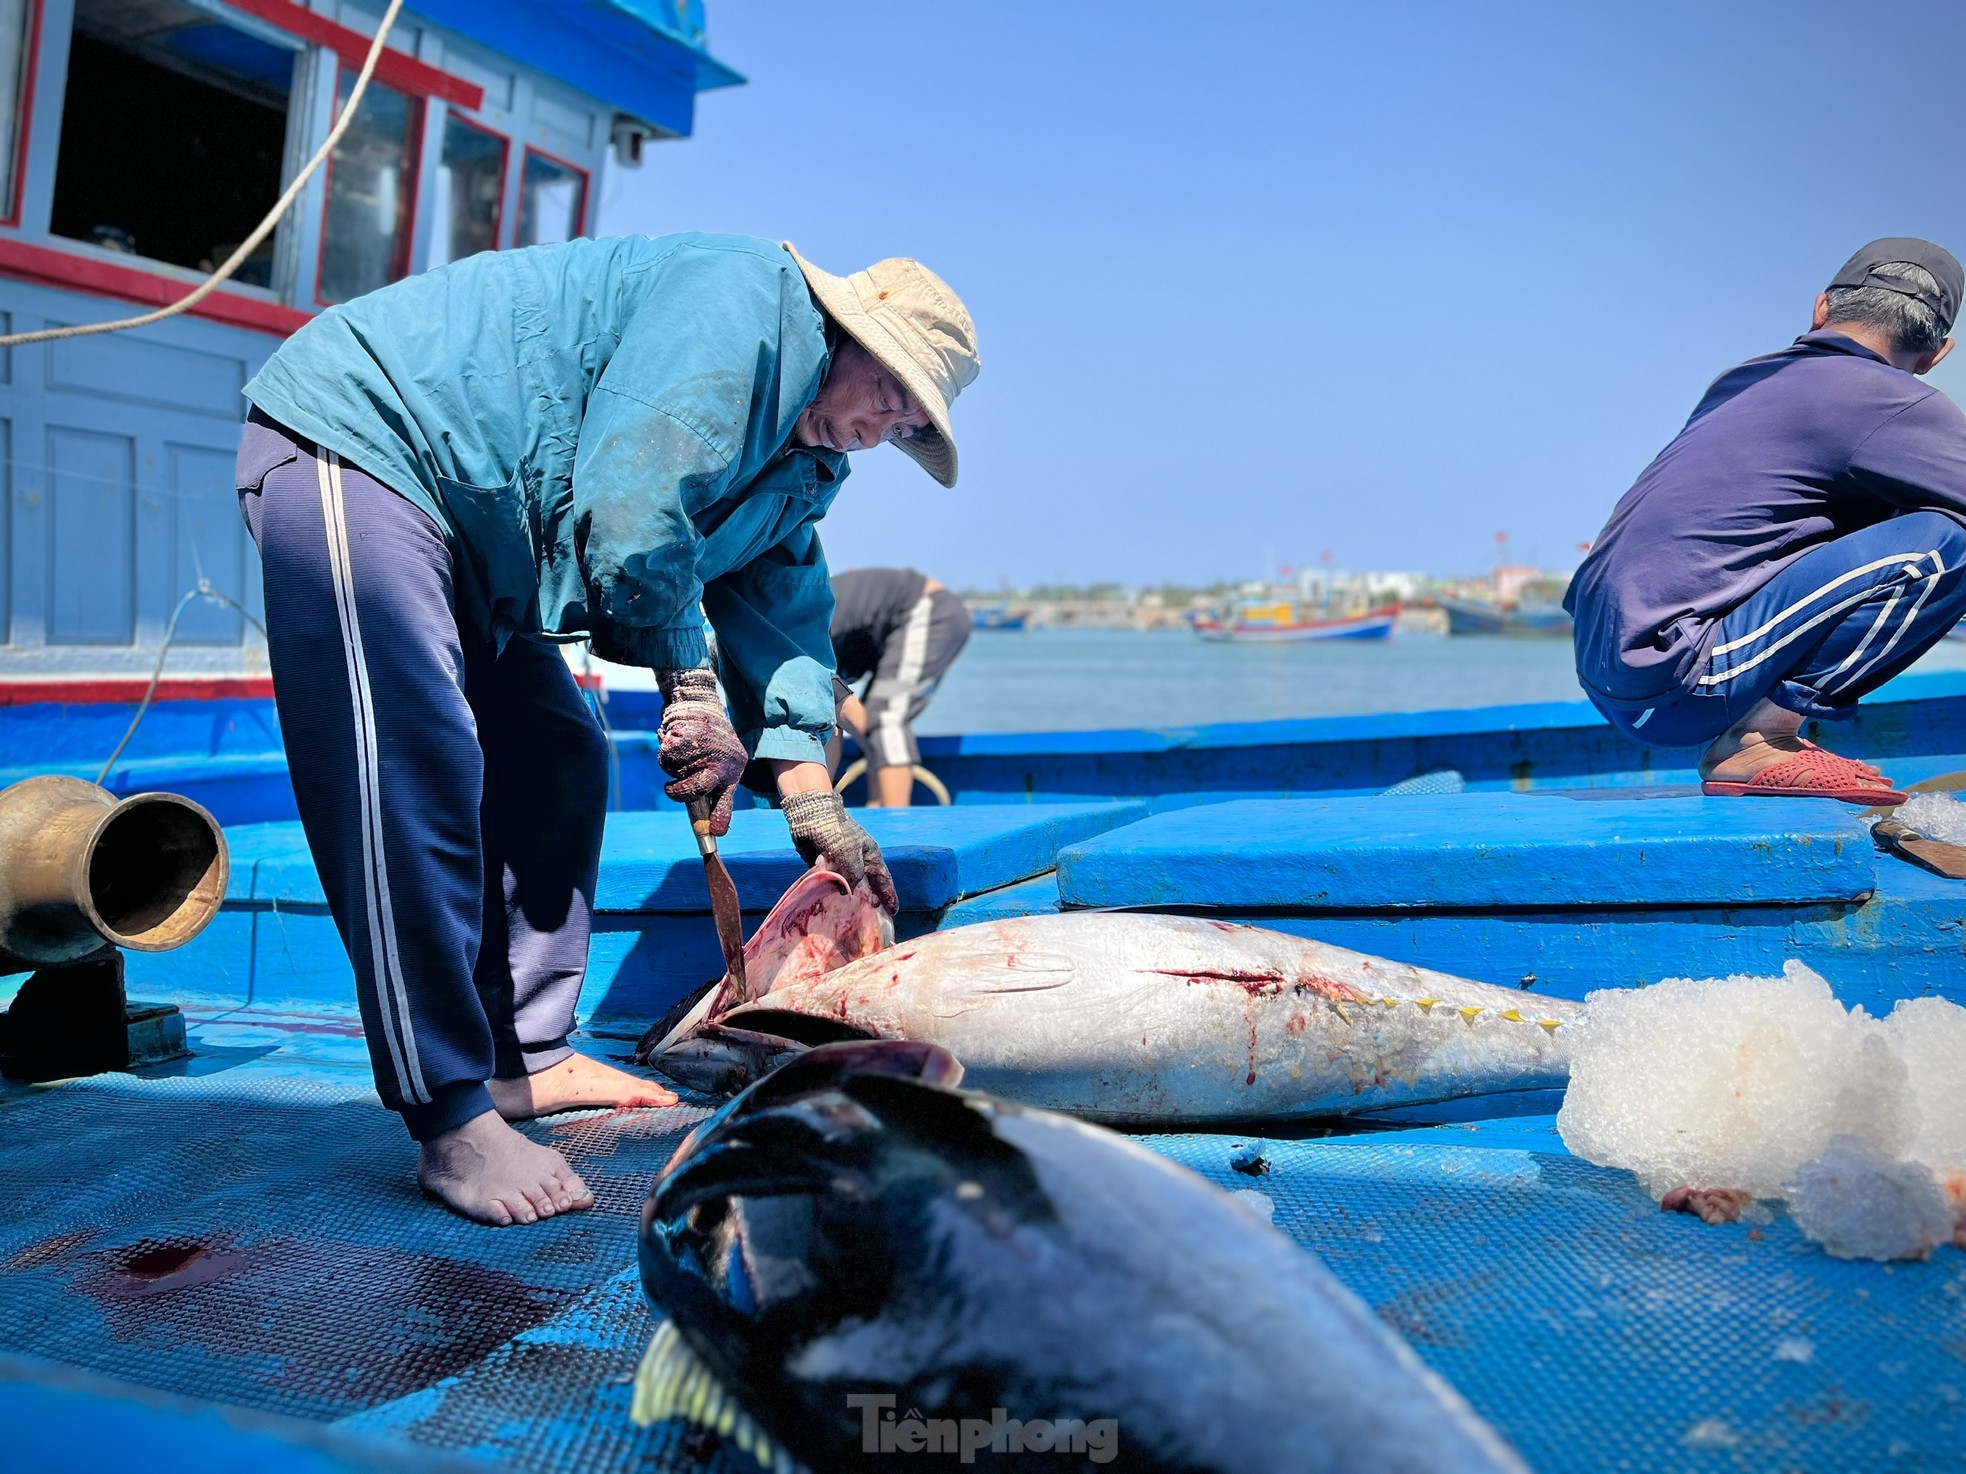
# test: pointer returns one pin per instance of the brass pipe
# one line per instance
(79, 868)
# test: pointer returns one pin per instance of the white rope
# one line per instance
(257, 238)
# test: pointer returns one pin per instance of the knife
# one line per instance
(723, 898)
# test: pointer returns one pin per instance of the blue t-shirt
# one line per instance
(1783, 454)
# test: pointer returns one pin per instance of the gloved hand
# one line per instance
(698, 748)
(822, 831)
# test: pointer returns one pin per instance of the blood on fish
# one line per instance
(1326, 987)
(1250, 1078)
(1255, 984)
(1296, 1024)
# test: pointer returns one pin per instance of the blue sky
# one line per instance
(1257, 281)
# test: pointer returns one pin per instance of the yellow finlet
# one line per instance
(1426, 1004)
(673, 1382)
(1513, 1015)
(1470, 1012)
(1552, 1024)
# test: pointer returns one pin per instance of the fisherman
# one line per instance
(1799, 543)
(609, 438)
(900, 631)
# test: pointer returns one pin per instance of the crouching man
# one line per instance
(1799, 542)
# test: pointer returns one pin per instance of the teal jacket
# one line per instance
(603, 431)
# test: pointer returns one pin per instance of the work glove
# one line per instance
(822, 831)
(698, 748)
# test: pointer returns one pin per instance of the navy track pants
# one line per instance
(1833, 626)
(453, 798)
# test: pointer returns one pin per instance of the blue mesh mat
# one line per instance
(252, 1236)
(267, 1247)
(1597, 1332)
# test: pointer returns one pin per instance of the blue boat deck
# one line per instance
(242, 1230)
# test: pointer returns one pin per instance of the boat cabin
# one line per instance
(140, 142)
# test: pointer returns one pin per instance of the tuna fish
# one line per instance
(859, 1261)
(1129, 1019)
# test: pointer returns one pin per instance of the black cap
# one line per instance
(1938, 260)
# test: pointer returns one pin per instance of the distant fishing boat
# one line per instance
(996, 617)
(1485, 617)
(1280, 624)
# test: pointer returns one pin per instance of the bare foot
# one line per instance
(487, 1171)
(575, 1083)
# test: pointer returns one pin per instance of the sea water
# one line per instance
(1051, 680)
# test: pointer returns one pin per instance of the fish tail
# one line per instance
(672, 1381)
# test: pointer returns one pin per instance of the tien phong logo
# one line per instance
(882, 1431)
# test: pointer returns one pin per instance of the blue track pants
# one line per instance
(453, 799)
(1831, 627)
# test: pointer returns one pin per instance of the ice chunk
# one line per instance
(1930, 1036)
(1860, 1204)
(1728, 1083)
(1934, 815)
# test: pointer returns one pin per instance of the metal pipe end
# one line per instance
(156, 873)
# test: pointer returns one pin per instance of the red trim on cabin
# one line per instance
(586, 181)
(403, 72)
(504, 164)
(121, 690)
(91, 274)
(30, 74)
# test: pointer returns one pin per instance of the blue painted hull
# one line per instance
(1477, 617)
(1366, 627)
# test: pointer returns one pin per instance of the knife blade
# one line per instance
(724, 904)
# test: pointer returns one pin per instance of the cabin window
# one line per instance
(469, 192)
(371, 193)
(16, 41)
(172, 134)
(552, 200)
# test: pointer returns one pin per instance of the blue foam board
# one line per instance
(1476, 850)
(649, 862)
(937, 856)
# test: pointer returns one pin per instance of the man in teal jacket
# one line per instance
(610, 439)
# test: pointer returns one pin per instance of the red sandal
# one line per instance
(1815, 773)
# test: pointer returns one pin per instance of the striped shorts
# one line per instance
(1831, 627)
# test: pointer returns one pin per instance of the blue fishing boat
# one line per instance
(210, 1254)
(1285, 624)
(1528, 846)
(997, 617)
(1472, 616)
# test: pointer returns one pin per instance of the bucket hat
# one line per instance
(906, 316)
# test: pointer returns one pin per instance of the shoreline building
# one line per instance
(140, 142)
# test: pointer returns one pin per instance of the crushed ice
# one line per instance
(1938, 816)
(1771, 1086)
